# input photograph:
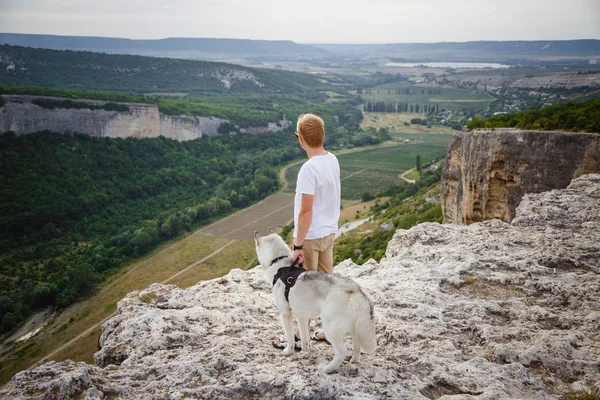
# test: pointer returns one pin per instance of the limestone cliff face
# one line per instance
(21, 116)
(489, 311)
(486, 173)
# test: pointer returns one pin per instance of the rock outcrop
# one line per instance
(489, 311)
(487, 172)
(22, 116)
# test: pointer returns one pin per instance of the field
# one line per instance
(358, 210)
(394, 122)
(275, 211)
(414, 175)
(448, 98)
(376, 169)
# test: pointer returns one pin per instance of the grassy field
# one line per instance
(449, 98)
(376, 169)
(358, 210)
(275, 211)
(395, 123)
(158, 266)
(415, 175)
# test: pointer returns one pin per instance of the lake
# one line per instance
(449, 64)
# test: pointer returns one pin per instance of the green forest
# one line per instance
(84, 70)
(572, 117)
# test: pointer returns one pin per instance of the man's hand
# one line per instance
(298, 253)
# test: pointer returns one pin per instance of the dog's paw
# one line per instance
(288, 351)
(325, 368)
(355, 359)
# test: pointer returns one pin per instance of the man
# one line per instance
(317, 202)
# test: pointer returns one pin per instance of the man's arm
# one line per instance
(304, 221)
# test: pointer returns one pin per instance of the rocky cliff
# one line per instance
(489, 311)
(22, 116)
(487, 172)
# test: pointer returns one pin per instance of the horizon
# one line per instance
(317, 22)
(293, 41)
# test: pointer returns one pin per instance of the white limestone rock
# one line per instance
(488, 311)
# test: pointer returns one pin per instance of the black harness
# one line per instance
(288, 275)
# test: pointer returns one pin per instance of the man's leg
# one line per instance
(325, 263)
(311, 254)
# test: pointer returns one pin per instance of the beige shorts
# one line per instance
(318, 254)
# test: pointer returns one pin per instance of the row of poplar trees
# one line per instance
(382, 106)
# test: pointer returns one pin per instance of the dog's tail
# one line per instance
(364, 324)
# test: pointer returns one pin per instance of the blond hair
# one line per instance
(312, 129)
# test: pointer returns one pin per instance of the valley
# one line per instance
(122, 170)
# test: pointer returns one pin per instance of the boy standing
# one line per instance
(317, 201)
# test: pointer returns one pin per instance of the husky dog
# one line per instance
(339, 302)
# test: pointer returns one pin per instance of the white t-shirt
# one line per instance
(320, 176)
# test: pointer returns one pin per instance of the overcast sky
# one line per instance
(309, 21)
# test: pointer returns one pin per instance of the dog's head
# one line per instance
(270, 247)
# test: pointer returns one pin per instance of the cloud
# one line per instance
(314, 21)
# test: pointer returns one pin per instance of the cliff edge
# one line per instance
(492, 310)
(487, 172)
(21, 115)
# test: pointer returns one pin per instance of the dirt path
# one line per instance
(356, 173)
(283, 172)
(96, 326)
(404, 178)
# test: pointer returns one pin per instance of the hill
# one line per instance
(472, 51)
(84, 70)
(573, 117)
(207, 48)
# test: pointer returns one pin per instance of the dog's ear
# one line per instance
(270, 231)
(256, 237)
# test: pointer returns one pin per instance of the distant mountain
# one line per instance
(205, 48)
(84, 70)
(464, 51)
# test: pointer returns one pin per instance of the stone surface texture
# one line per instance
(21, 116)
(487, 172)
(491, 310)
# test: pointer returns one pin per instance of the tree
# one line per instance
(263, 184)
(83, 279)
(8, 322)
(366, 196)
(419, 162)
(142, 240)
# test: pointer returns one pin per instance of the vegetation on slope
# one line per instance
(409, 205)
(573, 117)
(84, 70)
